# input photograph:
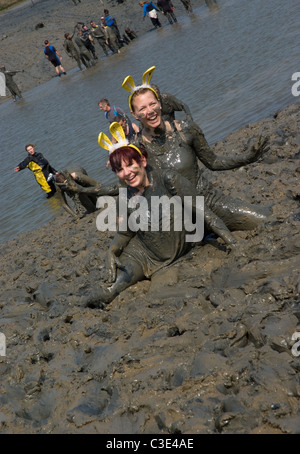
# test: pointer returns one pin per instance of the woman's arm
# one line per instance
(254, 150)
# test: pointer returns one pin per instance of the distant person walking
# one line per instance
(167, 8)
(54, 58)
(188, 6)
(150, 9)
(43, 172)
(10, 83)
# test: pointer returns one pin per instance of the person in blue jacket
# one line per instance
(112, 23)
(54, 58)
(151, 9)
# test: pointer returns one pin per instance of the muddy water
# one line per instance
(231, 67)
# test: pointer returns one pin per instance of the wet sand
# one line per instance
(205, 347)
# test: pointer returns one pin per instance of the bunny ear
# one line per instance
(128, 84)
(147, 75)
(104, 141)
(117, 132)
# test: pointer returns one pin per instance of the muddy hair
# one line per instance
(141, 91)
(60, 177)
(126, 154)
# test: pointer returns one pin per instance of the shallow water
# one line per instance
(232, 67)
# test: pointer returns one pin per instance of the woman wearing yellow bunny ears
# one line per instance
(181, 145)
(141, 249)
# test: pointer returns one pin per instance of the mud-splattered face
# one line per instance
(147, 109)
(134, 174)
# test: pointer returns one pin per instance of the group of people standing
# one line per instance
(80, 45)
(165, 7)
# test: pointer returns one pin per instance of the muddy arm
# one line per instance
(85, 180)
(253, 151)
(110, 189)
(64, 202)
(171, 102)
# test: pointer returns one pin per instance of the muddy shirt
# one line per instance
(156, 244)
(185, 149)
(174, 150)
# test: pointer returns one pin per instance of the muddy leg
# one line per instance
(100, 296)
(240, 215)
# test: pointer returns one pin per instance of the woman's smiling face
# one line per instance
(134, 174)
(147, 109)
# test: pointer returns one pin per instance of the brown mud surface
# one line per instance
(205, 347)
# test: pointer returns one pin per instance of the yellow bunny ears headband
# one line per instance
(129, 85)
(118, 134)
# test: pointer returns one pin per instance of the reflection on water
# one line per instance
(231, 67)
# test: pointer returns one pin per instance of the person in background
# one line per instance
(188, 6)
(97, 33)
(112, 23)
(71, 49)
(151, 9)
(54, 58)
(130, 34)
(167, 8)
(82, 203)
(110, 37)
(10, 83)
(44, 173)
(130, 129)
(86, 37)
(85, 55)
(109, 112)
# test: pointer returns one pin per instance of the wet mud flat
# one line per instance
(206, 347)
(47, 19)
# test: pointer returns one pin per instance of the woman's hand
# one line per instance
(257, 148)
(112, 264)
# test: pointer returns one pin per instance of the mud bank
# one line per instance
(205, 347)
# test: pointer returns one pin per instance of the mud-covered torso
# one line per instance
(173, 150)
(158, 239)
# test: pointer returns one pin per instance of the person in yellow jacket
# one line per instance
(43, 171)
